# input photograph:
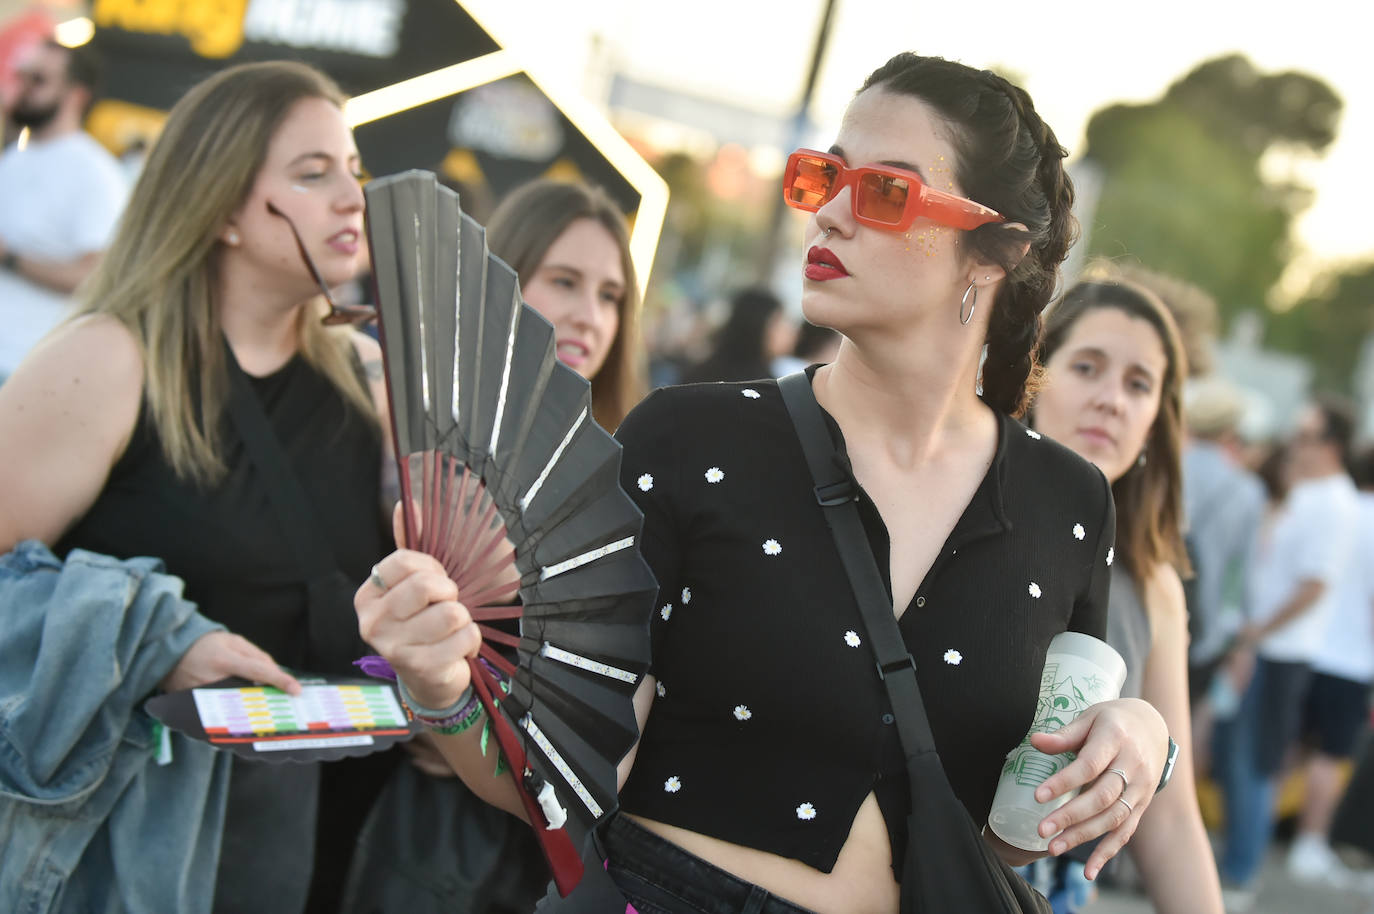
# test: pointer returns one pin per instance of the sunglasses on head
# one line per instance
(882, 196)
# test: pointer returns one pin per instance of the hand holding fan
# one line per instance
(510, 484)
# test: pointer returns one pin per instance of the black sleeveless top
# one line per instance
(225, 541)
(770, 725)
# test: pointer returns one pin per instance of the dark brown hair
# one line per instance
(1149, 498)
(1194, 310)
(1338, 423)
(1008, 159)
(521, 231)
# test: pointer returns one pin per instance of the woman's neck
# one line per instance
(261, 323)
(911, 402)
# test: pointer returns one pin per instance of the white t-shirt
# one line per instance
(1312, 539)
(61, 199)
(1347, 650)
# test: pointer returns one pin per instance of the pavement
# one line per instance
(1278, 894)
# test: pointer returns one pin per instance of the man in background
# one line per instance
(1299, 562)
(62, 192)
(1338, 699)
(1224, 504)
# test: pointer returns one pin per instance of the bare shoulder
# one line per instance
(1162, 591)
(368, 348)
(91, 367)
(370, 356)
(66, 416)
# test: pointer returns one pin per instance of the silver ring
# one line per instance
(1125, 782)
(828, 231)
(1129, 808)
(376, 578)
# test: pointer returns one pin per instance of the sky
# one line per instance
(1074, 57)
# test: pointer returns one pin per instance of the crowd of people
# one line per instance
(1023, 463)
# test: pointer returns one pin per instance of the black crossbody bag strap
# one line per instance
(332, 636)
(948, 866)
(835, 492)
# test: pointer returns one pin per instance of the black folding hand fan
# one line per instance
(507, 480)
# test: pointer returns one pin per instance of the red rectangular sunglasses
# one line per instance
(883, 197)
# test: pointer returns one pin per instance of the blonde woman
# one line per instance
(116, 437)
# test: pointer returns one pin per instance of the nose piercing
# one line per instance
(828, 231)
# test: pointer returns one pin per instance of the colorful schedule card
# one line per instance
(262, 714)
(327, 720)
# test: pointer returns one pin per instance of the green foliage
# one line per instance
(1332, 322)
(1183, 190)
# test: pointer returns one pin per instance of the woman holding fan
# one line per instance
(769, 774)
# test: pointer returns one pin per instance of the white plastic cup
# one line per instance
(1080, 671)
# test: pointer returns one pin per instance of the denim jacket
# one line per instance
(88, 820)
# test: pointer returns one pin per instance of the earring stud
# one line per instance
(232, 237)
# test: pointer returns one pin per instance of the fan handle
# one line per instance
(564, 860)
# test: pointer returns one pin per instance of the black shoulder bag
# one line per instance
(948, 866)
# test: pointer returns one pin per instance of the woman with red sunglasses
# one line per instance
(769, 776)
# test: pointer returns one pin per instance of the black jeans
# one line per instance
(658, 877)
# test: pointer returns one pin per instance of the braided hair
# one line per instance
(1009, 159)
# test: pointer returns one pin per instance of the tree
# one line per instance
(1183, 189)
(1333, 321)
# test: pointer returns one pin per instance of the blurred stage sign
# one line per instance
(430, 88)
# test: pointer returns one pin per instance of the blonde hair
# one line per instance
(521, 231)
(159, 275)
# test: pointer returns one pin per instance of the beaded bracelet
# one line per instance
(455, 714)
(455, 725)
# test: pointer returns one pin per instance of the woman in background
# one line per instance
(570, 246)
(756, 332)
(1114, 372)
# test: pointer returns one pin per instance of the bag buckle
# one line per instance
(896, 666)
(835, 493)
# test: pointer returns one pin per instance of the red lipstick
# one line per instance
(822, 264)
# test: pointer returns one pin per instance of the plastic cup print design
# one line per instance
(1080, 671)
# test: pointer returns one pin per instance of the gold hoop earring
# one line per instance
(965, 303)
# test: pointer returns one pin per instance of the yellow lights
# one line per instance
(428, 87)
(74, 32)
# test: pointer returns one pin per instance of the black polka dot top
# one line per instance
(771, 726)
